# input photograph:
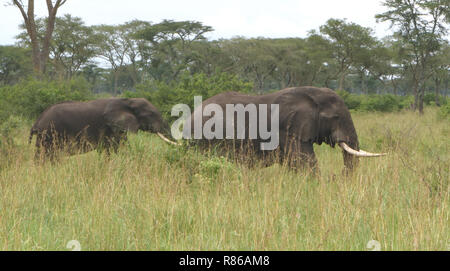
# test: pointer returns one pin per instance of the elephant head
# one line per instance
(335, 126)
(136, 114)
(315, 115)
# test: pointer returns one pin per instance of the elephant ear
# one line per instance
(299, 116)
(120, 117)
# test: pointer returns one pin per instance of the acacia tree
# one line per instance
(291, 62)
(209, 58)
(373, 63)
(169, 51)
(253, 59)
(119, 46)
(40, 48)
(349, 41)
(71, 47)
(441, 71)
(113, 47)
(320, 59)
(421, 26)
(136, 47)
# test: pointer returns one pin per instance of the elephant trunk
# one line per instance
(350, 161)
(351, 152)
(347, 139)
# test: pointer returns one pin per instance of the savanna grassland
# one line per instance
(151, 196)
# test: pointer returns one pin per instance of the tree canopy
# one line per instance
(342, 55)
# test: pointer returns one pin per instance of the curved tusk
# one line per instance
(372, 154)
(359, 153)
(168, 140)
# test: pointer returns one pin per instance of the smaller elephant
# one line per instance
(78, 127)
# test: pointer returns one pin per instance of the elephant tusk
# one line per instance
(372, 154)
(359, 153)
(168, 140)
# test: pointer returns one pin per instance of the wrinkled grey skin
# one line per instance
(101, 124)
(307, 115)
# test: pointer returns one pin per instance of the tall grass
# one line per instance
(151, 196)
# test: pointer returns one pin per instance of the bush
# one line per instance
(31, 97)
(382, 103)
(430, 99)
(6, 128)
(165, 96)
(214, 166)
(375, 102)
(351, 100)
(444, 111)
(7, 145)
(406, 101)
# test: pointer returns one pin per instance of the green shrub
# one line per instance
(165, 96)
(406, 101)
(375, 102)
(444, 111)
(31, 97)
(8, 147)
(6, 128)
(430, 99)
(382, 103)
(351, 100)
(212, 167)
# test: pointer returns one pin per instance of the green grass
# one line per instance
(151, 196)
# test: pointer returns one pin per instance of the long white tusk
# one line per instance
(168, 140)
(374, 154)
(359, 153)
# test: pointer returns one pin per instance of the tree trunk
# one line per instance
(421, 94)
(437, 84)
(394, 84)
(40, 56)
(444, 94)
(342, 81)
(46, 42)
(134, 74)
(416, 95)
(115, 78)
(363, 83)
(419, 89)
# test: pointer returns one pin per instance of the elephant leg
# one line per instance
(300, 156)
(38, 152)
(111, 144)
(106, 146)
(307, 152)
(45, 148)
(49, 152)
(54, 146)
(252, 156)
(267, 158)
(114, 147)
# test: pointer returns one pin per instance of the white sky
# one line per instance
(249, 18)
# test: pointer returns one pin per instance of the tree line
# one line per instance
(342, 55)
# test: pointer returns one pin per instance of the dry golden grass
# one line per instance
(151, 196)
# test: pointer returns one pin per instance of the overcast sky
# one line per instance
(249, 18)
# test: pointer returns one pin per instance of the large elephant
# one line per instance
(83, 126)
(307, 115)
